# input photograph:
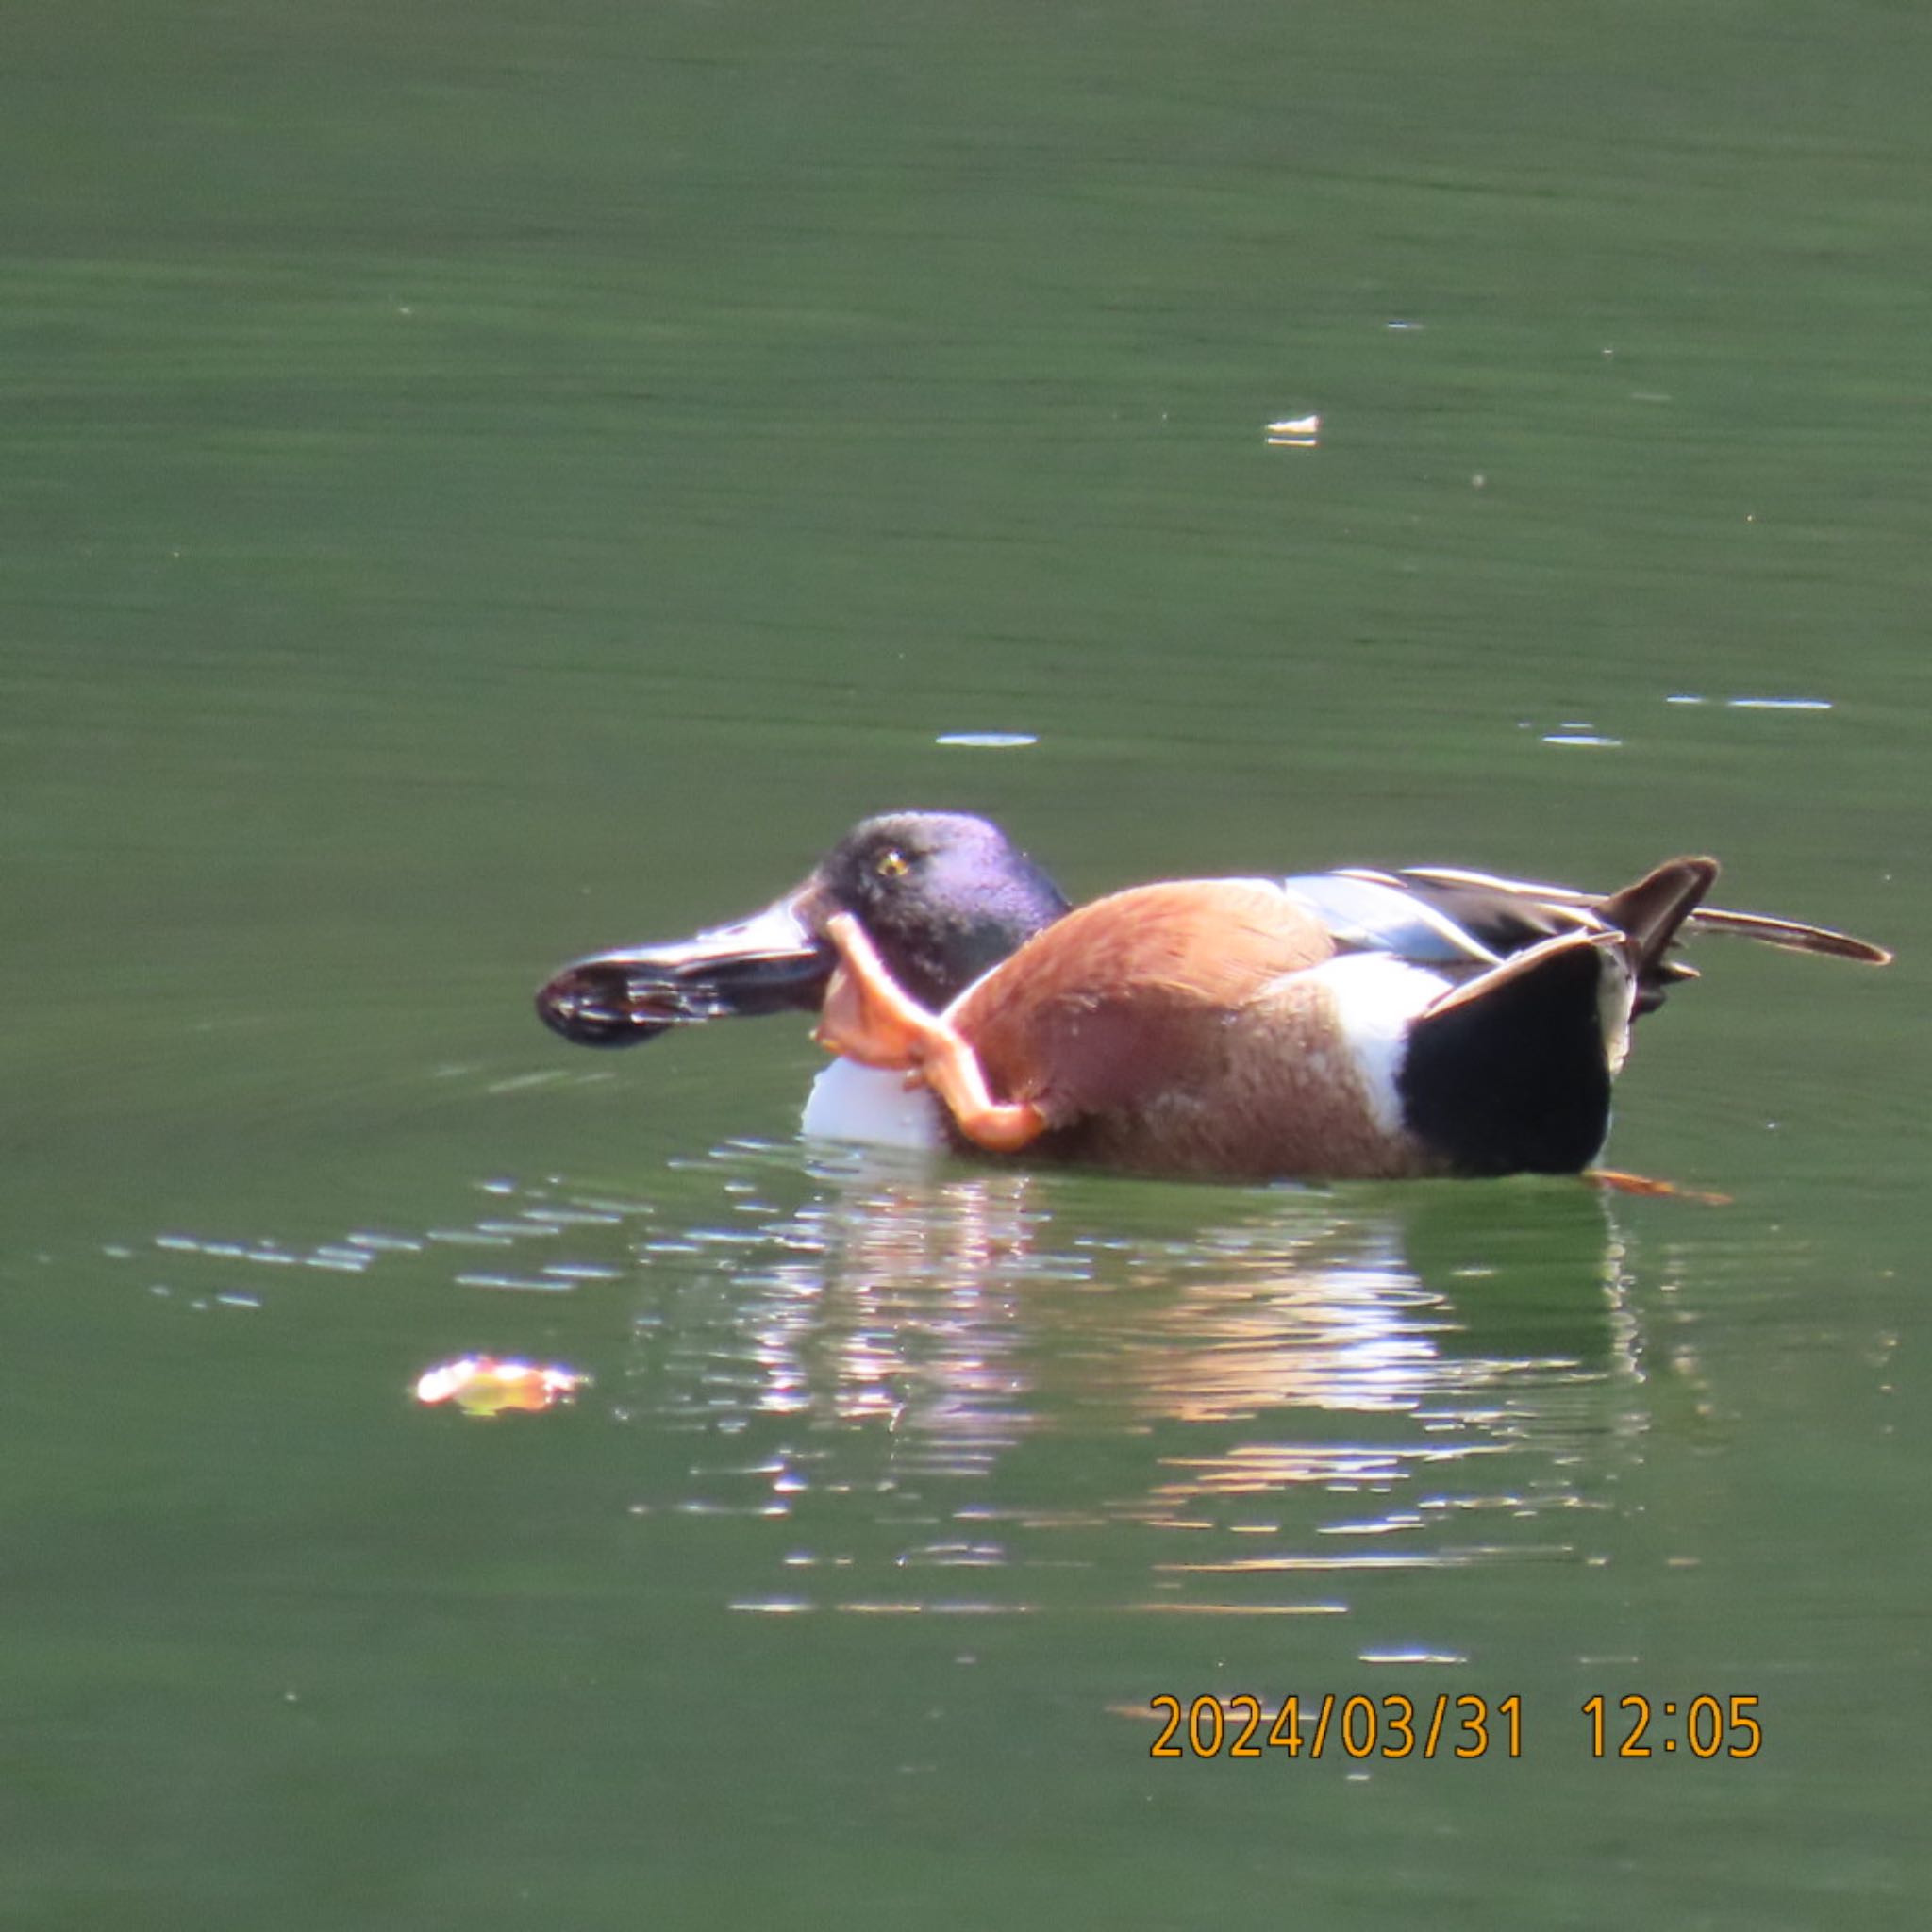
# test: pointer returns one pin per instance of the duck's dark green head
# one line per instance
(945, 896)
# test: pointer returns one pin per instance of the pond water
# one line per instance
(486, 483)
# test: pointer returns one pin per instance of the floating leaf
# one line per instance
(486, 1385)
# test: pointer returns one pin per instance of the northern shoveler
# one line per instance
(1357, 1024)
(1349, 1024)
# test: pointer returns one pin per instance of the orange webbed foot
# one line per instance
(1616, 1181)
(869, 1017)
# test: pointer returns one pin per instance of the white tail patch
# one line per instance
(1616, 1000)
(1377, 999)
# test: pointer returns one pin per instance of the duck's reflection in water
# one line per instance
(1006, 1358)
(1195, 1396)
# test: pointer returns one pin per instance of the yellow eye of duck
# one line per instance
(893, 865)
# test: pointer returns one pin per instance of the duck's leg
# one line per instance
(869, 1017)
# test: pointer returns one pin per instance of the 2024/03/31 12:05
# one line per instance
(1395, 1727)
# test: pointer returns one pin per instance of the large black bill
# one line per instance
(772, 963)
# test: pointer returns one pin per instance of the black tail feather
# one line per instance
(1510, 1074)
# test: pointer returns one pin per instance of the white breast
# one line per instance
(848, 1102)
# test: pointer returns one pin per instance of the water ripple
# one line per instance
(1303, 1386)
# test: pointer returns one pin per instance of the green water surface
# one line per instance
(487, 482)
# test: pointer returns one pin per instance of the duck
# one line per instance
(1351, 1026)
(1430, 1021)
